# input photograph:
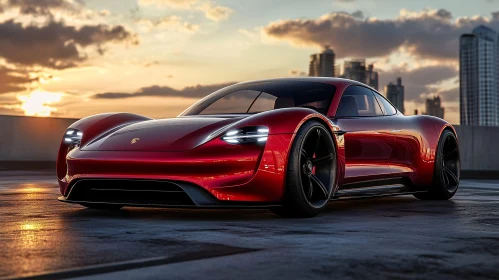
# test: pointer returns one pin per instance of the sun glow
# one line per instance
(37, 103)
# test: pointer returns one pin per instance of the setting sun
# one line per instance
(37, 103)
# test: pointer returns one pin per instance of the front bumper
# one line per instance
(225, 174)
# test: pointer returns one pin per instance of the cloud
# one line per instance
(215, 12)
(358, 14)
(450, 95)
(197, 91)
(421, 81)
(426, 34)
(170, 22)
(168, 3)
(211, 11)
(56, 45)
(42, 7)
(13, 80)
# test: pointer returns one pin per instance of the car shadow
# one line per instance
(387, 206)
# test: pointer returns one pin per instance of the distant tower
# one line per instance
(355, 69)
(372, 77)
(395, 93)
(434, 107)
(322, 64)
(479, 77)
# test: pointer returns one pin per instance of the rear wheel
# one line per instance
(447, 169)
(311, 172)
(102, 206)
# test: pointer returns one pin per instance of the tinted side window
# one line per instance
(358, 101)
(252, 98)
(234, 103)
(385, 105)
(265, 102)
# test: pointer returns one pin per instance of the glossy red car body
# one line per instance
(188, 151)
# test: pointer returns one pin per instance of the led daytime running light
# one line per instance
(73, 137)
(254, 134)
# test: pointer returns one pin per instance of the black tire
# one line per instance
(309, 180)
(447, 170)
(101, 206)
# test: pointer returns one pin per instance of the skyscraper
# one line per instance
(434, 107)
(479, 77)
(356, 70)
(372, 77)
(395, 93)
(322, 64)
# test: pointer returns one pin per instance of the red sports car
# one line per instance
(291, 145)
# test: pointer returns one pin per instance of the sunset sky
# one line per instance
(73, 58)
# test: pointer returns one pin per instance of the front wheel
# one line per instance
(447, 170)
(311, 172)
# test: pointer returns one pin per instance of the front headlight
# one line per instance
(245, 135)
(73, 137)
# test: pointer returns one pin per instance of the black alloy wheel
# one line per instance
(311, 173)
(447, 169)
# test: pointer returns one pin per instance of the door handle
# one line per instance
(396, 130)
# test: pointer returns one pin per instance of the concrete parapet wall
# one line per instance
(31, 138)
(479, 147)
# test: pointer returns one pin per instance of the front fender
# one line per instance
(95, 125)
(288, 121)
(92, 127)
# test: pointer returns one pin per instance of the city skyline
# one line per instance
(156, 57)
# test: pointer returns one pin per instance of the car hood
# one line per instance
(176, 134)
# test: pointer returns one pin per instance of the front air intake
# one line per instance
(129, 192)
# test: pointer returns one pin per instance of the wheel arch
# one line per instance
(431, 129)
(337, 140)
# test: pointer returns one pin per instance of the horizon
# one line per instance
(157, 57)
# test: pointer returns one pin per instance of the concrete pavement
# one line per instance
(397, 237)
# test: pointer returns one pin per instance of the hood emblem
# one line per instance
(134, 140)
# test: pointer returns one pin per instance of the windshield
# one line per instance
(259, 97)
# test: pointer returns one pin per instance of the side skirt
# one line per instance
(375, 188)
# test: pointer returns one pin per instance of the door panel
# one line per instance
(412, 149)
(408, 139)
(369, 147)
(369, 140)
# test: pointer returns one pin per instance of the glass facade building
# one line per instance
(395, 93)
(479, 77)
(322, 64)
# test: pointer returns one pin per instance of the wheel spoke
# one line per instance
(304, 154)
(450, 175)
(307, 186)
(450, 153)
(313, 143)
(322, 160)
(318, 184)
(310, 190)
(446, 180)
